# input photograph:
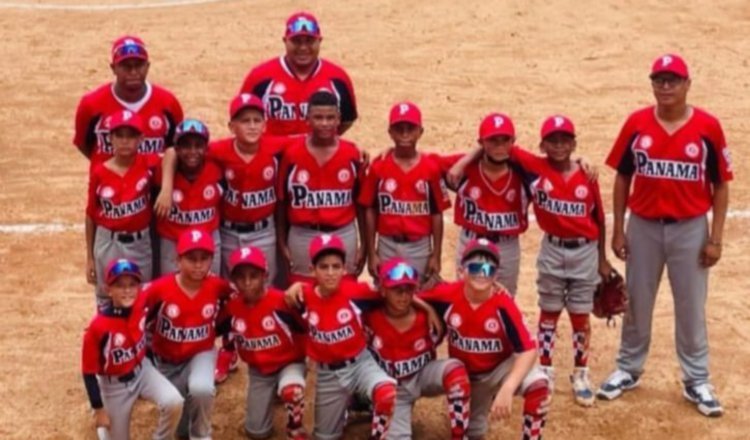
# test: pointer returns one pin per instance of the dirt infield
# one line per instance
(458, 60)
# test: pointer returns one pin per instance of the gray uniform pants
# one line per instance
(148, 383)
(510, 258)
(168, 255)
(299, 245)
(194, 379)
(415, 253)
(265, 240)
(567, 278)
(109, 245)
(261, 389)
(652, 245)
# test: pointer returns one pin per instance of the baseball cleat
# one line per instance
(582, 391)
(617, 383)
(549, 371)
(704, 398)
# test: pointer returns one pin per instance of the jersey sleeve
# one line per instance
(255, 83)
(91, 353)
(527, 160)
(369, 187)
(515, 327)
(598, 212)
(174, 115)
(347, 100)
(621, 157)
(446, 161)
(91, 200)
(439, 198)
(282, 182)
(439, 297)
(719, 161)
(84, 136)
(364, 296)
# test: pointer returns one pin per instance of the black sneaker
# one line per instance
(617, 382)
(704, 398)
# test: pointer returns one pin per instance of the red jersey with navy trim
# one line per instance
(183, 326)
(114, 342)
(320, 194)
(285, 95)
(482, 337)
(250, 194)
(405, 200)
(159, 110)
(122, 203)
(672, 174)
(400, 354)
(334, 326)
(263, 334)
(569, 208)
(195, 204)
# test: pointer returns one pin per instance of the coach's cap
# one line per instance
(119, 267)
(496, 124)
(557, 124)
(405, 112)
(243, 101)
(398, 272)
(190, 126)
(302, 23)
(670, 63)
(128, 46)
(483, 246)
(249, 255)
(125, 118)
(326, 243)
(195, 239)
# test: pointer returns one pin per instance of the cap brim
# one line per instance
(135, 275)
(196, 248)
(305, 33)
(409, 121)
(134, 127)
(659, 72)
(130, 56)
(558, 130)
(247, 263)
(495, 134)
(395, 283)
(483, 251)
(324, 251)
(245, 107)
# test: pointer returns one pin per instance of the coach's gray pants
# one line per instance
(107, 248)
(168, 255)
(653, 245)
(510, 258)
(416, 253)
(265, 240)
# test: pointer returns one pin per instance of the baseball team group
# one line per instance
(258, 239)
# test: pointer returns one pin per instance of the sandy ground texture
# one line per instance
(458, 60)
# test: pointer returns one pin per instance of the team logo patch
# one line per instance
(344, 316)
(268, 323)
(692, 150)
(107, 192)
(208, 311)
(510, 195)
(268, 172)
(303, 176)
(279, 88)
(727, 157)
(491, 325)
(455, 320)
(344, 175)
(173, 311)
(229, 174)
(209, 192)
(559, 121)
(239, 325)
(177, 196)
(421, 186)
(313, 318)
(547, 185)
(141, 184)
(483, 242)
(118, 339)
(142, 323)
(581, 192)
(377, 342)
(646, 142)
(475, 193)
(155, 123)
(390, 185)
(420, 344)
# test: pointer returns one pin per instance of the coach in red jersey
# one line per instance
(156, 106)
(676, 159)
(285, 83)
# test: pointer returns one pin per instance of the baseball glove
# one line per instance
(610, 298)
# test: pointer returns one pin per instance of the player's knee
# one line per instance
(173, 404)
(536, 398)
(384, 398)
(293, 393)
(202, 390)
(456, 381)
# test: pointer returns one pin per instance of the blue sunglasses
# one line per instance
(302, 24)
(190, 126)
(402, 271)
(124, 267)
(130, 49)
(481, 269)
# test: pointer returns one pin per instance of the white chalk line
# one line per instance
(100, 7)
(57, 227)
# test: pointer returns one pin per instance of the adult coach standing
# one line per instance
(675, 158)
(285, 83)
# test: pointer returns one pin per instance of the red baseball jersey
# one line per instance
(569, 208)
(334, 325)
(195, 204)
(482, 337)
(672, 174)
(265, 333)
(320, 194)
(487, 207)
(250, 194)
(183, 326)
(401, 354)
(159, 109)
(114, 342)
(122, 203)
(405, 200)
(285, 95)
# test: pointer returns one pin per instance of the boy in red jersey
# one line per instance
(404, 345)
(182, 309)
(269, 339)
(572, 259)
(404, 198)
(115, 371)
(486, 332)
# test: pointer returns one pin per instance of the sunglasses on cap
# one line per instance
(191, 126)
(303, 24)
(128, 50)
(401, 272)
(123, 267)
(483, 269)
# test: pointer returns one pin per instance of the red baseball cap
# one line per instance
(481, 245)
(557, 123)
(670, 63)
(248, 255)
(119, 267)
(326, 242)
(302, 23)
(125, 118)
(398, 272)
(128, 46)
(195, 239)
(496, 124)
(243, 101)
(405, 112)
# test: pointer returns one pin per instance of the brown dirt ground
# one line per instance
(459, 61)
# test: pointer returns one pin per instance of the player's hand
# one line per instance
(365, 162)
(591, 171)
(710, 254)
(286, 255)
(605, 269)
(373, 263)
(361, 260)
(293, 296)
(433, 266)
(436, 325)
(101, 418)
(502, 405)
(163, 203)
(455, 174)
(620, 245)
(90, 271)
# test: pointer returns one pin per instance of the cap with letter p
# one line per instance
(249, 255)
(557, 124)
(481, 246)
(128, 46)
(125, 118)
(325, 243)
(405, 112)
(496, 124)
(670, 63)
(243, 101)
(195, 239)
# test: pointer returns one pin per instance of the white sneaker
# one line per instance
(704, 398)
(549, 371)
(582, 392)
(617, 383)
